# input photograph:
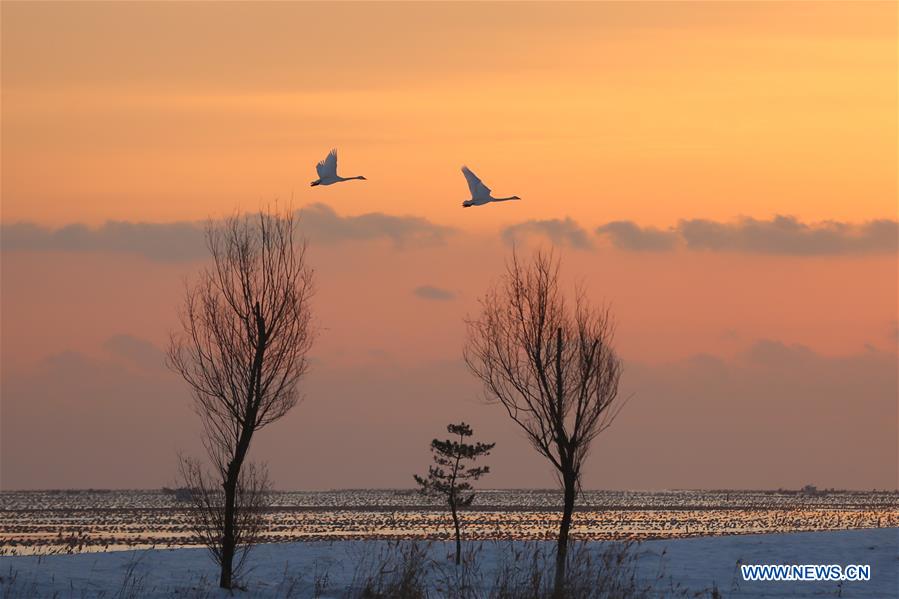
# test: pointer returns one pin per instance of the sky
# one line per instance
(724, 175)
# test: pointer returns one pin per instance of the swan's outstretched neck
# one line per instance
(360, 177)
(508, 198)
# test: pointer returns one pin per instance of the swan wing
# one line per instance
(475, 185)
(327, 168)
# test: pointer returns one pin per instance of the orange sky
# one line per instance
(642, 112)
(645, 111)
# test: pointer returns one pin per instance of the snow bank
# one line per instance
(281, 570)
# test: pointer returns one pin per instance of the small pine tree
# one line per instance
(450, 475)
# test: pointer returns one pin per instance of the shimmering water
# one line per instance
(76, 521)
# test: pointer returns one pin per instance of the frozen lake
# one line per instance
(79, 521)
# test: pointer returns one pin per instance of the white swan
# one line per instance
(327, 171)
(480, 193)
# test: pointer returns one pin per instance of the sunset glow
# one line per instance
(727, 115)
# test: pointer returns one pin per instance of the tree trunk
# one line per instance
(228, 539)
(570, 483)
(458, 534)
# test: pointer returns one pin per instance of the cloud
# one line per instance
(185, 240)
(774, 415)
(774, 354)
(786, 235)
(429, 292)
(165, 242)
(76, 421)
(783, 235)
(629, 236)
(561, 232)
(136, 351)
(323, 225)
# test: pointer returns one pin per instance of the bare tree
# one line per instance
(206, 498)
(551, 365)
(451, 473)
(246, 334)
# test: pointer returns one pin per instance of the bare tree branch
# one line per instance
(246, 332)
(551, 365)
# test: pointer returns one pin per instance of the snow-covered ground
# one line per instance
(291, 569)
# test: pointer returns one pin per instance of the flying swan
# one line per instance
(327, 171)
(480, 193)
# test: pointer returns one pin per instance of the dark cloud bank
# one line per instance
(772, 416)
(561, 232)
(165, 242)
(781, 235)
(322, 224)
(775, 415)
(182, 241)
